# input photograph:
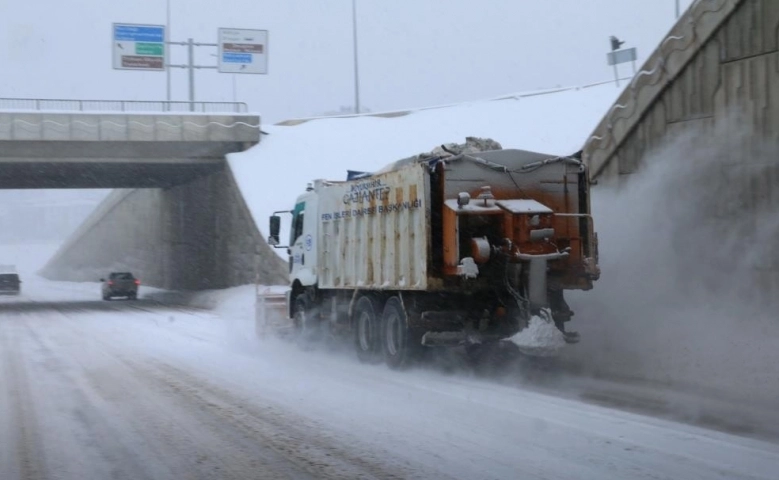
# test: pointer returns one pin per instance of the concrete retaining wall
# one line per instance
(195, 236)
(715, 96)
(728, 87)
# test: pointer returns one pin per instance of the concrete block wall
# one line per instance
(730, 85)
(718, 71)
(717, 88)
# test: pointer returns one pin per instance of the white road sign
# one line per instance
(621, 56)
(138, 47)
(243, 51)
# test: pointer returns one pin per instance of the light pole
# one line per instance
(677, 8)
(191, 69)
(167, 46)
(356, 69)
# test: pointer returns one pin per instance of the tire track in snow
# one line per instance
(253, 440)
(24, 427)
(127, 428)
(93, 431)
(293, 437)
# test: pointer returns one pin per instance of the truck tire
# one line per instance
(399, 344)
(301, 311)
(367, 330)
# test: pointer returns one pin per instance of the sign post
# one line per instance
(144, 47)
(616, 57)
(243, 51)
(139, 47)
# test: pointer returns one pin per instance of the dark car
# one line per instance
(10, 284)
(120, 284)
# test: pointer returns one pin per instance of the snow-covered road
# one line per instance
(139, 390)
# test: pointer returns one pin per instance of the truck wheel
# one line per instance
(366, 331)
(301, 321)
(398, 341)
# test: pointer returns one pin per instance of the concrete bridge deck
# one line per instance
(177, 218)
(117, 150)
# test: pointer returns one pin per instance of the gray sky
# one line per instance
(412, 52)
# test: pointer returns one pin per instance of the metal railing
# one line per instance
(132, 106)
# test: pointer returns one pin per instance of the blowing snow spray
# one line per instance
(541, 338)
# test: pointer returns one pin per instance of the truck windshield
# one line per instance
(297, 223)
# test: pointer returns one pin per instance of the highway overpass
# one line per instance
(177, 218)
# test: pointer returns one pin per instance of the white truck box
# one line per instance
(374, 233)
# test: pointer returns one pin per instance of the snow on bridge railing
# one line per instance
(132, 106)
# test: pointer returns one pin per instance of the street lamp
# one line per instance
(356, 69)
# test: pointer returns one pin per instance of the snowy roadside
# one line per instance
(226, 318)
(232, 312)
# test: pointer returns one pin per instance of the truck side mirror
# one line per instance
(275, 227)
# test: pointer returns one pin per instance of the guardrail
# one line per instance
(64, 105)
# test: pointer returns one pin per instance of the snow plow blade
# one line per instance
(270, 312)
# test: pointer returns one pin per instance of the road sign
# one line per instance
(243, 51)
(621, 56)
(138, 47)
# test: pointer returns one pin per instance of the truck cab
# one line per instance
(303, 240)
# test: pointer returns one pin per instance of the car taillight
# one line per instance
(137, 282)
(110, 283)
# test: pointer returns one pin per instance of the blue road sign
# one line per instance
(139, 33)
(237, 57)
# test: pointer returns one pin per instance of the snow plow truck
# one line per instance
(465, 245)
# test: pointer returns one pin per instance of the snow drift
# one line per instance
(272, 174)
